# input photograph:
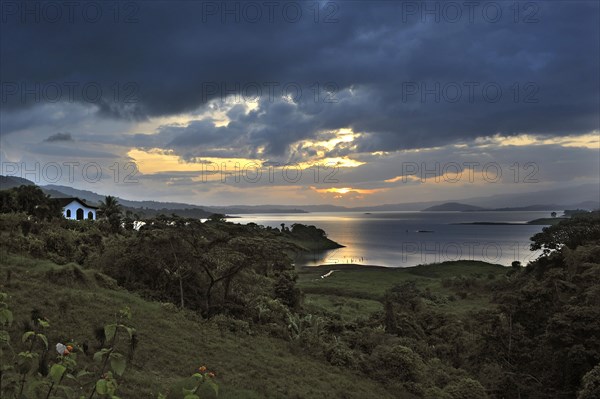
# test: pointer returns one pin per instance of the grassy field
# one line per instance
(353, 291)
(172, 343)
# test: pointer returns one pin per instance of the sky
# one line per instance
(289, 102)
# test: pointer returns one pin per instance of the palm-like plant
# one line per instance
(110, 207)
(111, 210)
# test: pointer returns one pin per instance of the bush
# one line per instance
(270, 311)
(466, 388)
(396, 363)
(286, 290)
(340, 355)
(226, 323)
(590, 384)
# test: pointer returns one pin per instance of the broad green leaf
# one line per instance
(197, 376)
(102, 387)
(43, 323)
(100, 354)
(56, 372)
(34, 386)
(82, 373)
(4, 337)
(111, 385)
(109, 331)
(27, 355)
(125, 312)
(27, 335)
(118, 365)
(68, 391)
(130, 331)
(214, 386)
(44, 339)
(6, 317)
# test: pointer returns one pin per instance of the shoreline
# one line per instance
(355, 266)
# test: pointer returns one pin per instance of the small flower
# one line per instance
(202, 369)
(70, 348)
(61, 348)
(211, 375)
(66, 352)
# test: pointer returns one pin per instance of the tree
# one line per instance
(31, 200)
(111, 210)
(396, 363)
(286, 290)
(8, 201)
(466, 388)
(590, 384)
(581, 228)
(217, 218)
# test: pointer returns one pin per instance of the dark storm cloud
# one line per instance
(59, 137)
(381, 62)
(547, 164)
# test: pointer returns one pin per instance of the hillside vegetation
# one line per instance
(187, 309)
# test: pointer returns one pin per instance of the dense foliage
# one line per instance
(540, 338)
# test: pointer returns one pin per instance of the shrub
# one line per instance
(286, 290)
(590, 384)
(226, 323)
(466, 388)
(340, 355)
(396, 363)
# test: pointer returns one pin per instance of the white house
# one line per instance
(75, 209)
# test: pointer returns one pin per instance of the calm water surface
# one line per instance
(393, 239)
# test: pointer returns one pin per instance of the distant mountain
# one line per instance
(588, 205)
(588, 193)
(142, 208)
(154, 207)
(8, 182)
(453, 207)
(233, 209)
(501, 202)
(91, 196)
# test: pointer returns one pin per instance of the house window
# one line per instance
(68, 213)
(90, 215)
(79, 214)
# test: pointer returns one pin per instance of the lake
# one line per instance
(402, 239)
